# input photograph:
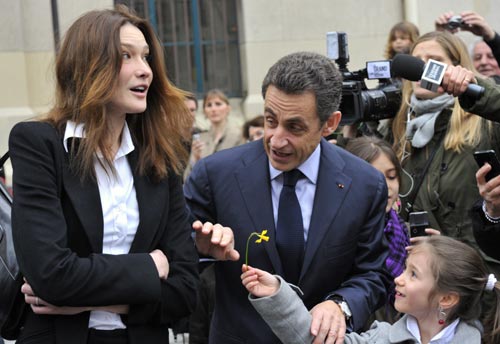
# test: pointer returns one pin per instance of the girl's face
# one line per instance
(414, 286)
(216, 110)
(401, 43)
(384, 165)
(135, 75)
(425, 51)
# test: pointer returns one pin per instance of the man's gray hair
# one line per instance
(299, 72)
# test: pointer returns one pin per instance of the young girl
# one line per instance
(401, 37)
(439, 292)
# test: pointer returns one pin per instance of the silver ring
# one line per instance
(37, 301)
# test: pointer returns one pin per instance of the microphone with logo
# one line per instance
(430, 74)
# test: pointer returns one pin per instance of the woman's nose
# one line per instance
(143, 69)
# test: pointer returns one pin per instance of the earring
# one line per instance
(441, 316)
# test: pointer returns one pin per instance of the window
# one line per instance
(201, 42)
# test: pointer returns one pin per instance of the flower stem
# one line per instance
(248, 242)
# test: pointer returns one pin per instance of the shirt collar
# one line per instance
(444, 336)
(74, 130)
(309, 168)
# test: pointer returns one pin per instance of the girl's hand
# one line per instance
(258, 282)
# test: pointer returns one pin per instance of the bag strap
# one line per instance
(3, 188)
(418, 184)
(4, 158)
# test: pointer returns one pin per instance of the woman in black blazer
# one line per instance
(100, 225)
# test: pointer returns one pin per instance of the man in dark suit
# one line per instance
(342, 201)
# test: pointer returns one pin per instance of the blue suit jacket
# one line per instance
(345, 251)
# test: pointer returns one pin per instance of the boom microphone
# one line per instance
(430, 75)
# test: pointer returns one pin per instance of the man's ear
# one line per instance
(449, 300)
(331, 123)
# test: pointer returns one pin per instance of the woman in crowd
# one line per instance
(99, 220)
(439, 296)
(222, 133)
(253, 129)
(434, 138)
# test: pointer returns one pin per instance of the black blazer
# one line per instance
(345, 250)
(58, 232)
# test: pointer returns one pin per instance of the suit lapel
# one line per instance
(258, 200)
(151, 198)
(84, 196)
(331, 188)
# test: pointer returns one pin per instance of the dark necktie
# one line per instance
(290, 230)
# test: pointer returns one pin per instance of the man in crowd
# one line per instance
(322, 208)
(486, 52)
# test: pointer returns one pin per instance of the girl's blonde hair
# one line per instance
(465, 128)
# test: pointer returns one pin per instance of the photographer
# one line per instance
(485, 53)
(485, 212)
(435, 138)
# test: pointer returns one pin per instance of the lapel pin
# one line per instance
(340, 186)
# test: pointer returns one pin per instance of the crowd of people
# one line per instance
(119, 195)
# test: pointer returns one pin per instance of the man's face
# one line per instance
(484, 61)
(292, 128)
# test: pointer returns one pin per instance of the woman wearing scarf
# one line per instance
(434, 138)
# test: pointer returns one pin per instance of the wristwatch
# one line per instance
(344, 307)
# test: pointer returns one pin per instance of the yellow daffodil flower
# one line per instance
(262, 236)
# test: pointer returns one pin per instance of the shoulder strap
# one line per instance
(418, 184)
(3, 188)
(3, 159)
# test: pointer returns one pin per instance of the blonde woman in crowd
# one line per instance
(434, 138)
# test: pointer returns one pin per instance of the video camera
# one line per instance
(360, 104)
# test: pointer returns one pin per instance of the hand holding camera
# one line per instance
(465, 21)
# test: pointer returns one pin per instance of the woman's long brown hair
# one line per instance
(87, 69)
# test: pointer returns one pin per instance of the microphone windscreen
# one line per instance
(407, 67)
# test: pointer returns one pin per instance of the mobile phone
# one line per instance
(490, 157)
(419, 221)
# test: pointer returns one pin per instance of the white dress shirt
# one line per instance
(120, 210)
(443, 337)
